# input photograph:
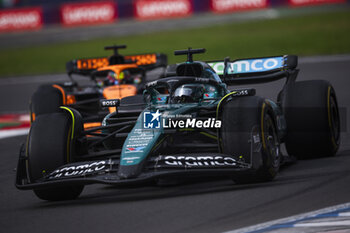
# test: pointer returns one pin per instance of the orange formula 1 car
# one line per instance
(113, 77)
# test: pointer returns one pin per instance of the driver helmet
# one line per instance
(124, 77)
(189, 93)
(111, 78)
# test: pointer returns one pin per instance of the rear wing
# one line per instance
(255, 70)
(85, 66)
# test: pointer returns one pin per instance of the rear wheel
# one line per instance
(313, 122)
(249, 133)
(47, 99)
(49, 147)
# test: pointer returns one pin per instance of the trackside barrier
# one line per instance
(88, 13)
(21, 19)
(109, 11)
(312, 2)
(158, 9)
(224, 6)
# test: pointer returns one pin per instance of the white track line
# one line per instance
(291, 219)
(323, 224)
(13, 132)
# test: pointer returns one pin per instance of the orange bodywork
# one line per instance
(90, 125)
(118, 68)
(111, 92)
(118, 91)
(62, 91)
(71, 99)
(32, 117)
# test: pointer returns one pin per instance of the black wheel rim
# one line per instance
(272, 143)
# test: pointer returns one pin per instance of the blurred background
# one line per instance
(39, 36)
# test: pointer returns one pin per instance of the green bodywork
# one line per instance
(148, 139)
(141, 142)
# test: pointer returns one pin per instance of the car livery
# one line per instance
(187, 124)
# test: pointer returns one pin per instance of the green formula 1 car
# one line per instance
(188, 124)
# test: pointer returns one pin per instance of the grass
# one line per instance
(325, 33)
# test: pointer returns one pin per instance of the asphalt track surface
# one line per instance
(206, 206)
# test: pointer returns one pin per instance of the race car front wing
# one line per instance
(109, 171)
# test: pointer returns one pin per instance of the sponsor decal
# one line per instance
(155, 120)
(243, 92)
(313, 2)
(143, 59)
(137, 145)
(199, 161)
(88, 13)
(92, 63)
(130, 160)
(208, 95)
(192, 123)
(218, 67)
(136, 149)
(79, 170)
(162, 99)
(221, 6)
(95, 63)
(202, 80)
(151, 120)
(157, 9)
(137, 142)
(21, 19)
(249, 65)
(240, 93)
(110, 103)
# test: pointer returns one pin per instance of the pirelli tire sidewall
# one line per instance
(247, 123)
(49, 146)
(313, 121)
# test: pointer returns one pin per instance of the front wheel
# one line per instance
(50, 146)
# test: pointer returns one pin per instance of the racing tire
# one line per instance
(47, 99)
(49, 147)
(249, 132)
(312, 117)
